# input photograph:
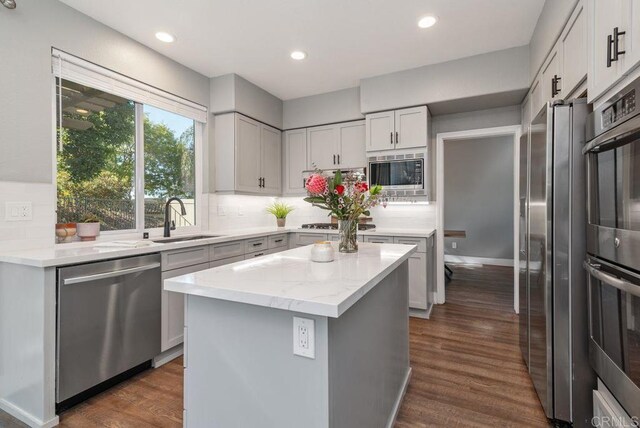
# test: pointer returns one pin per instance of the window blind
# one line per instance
(84, 72)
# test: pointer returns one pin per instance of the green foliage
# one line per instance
(99, 162)
(105, 185)
(280, 209)
(90, 218)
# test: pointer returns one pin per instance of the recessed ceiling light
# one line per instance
(82, 111)
(427, 21)
(298, 55)
(165, 37)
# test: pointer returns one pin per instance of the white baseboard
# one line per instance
(449, 258)
(167, 356)
(25, 417)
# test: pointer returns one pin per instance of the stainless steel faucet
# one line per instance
(170, 225)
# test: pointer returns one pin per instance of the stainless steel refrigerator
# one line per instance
(552, 282)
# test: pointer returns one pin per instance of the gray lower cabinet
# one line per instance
(421, 271)
(334, 237)
(223, 262)
(173, 307)
(379, 239)
(309, 238)
(262, 253)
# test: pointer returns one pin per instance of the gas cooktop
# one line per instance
(361, 226)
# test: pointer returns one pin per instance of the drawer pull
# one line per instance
(257, 244)
(278, 240)
(258, 255)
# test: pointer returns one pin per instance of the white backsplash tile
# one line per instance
(35, 233)
(229, 212)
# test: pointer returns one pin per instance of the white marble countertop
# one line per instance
(291, 281)
(83, 252)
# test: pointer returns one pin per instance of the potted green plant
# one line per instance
(89, 228)
(280, 210)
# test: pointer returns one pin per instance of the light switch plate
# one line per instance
(304, 337)
(18, 211)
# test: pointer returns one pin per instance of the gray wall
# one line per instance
(495, 72)
(479, 119)
(235, 93)
(552, 20)
(332, 107)
(28, 33)
(489, 118)
(478, 188)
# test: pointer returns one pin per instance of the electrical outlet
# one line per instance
(454, 245)
(304, 337)
(18, 211)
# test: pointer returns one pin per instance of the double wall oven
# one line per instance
(613, 245)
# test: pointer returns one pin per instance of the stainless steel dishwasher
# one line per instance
(109, 324)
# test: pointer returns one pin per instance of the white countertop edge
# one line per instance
(75, 253)
(285, 303)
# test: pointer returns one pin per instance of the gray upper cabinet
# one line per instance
(351, 145)
(380, 129)
(322, 146)
(552, 75)
(411, 127)
(271, 141)
(397, 129)
(340, 145)
(248, 160)
(573, 41)
(247, 156)
(613, 28)
(295, 161)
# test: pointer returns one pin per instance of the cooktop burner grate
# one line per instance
(329, 226)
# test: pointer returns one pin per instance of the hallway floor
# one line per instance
(467, 369)
(467, 366)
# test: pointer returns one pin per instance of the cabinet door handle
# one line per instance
(338, 159)
(558, 88)
(616, 43)
(396, 137)
(613, 46)
(259, 181)
(391, 137)
(334, 159)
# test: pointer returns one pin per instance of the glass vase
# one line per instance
(348, 230)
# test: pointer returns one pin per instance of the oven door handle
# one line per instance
(617, 136)
(620, 284)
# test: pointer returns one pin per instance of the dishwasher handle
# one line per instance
(97, 276)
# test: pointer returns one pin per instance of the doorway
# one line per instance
(473, 216)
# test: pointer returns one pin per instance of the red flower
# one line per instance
(361, 187)
(340, 189)
(316, 184)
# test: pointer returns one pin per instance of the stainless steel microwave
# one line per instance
(398, 172)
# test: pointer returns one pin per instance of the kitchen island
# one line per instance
(240, 366)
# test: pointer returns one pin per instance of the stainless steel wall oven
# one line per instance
(613, 245)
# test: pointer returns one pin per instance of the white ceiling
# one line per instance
(346, 40)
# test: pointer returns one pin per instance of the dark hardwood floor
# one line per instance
(467, 369)
(467, 366)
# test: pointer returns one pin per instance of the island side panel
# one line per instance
(27, 338)
(369, 356)
(240, 368)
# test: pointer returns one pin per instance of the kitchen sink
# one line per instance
(183, 238)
